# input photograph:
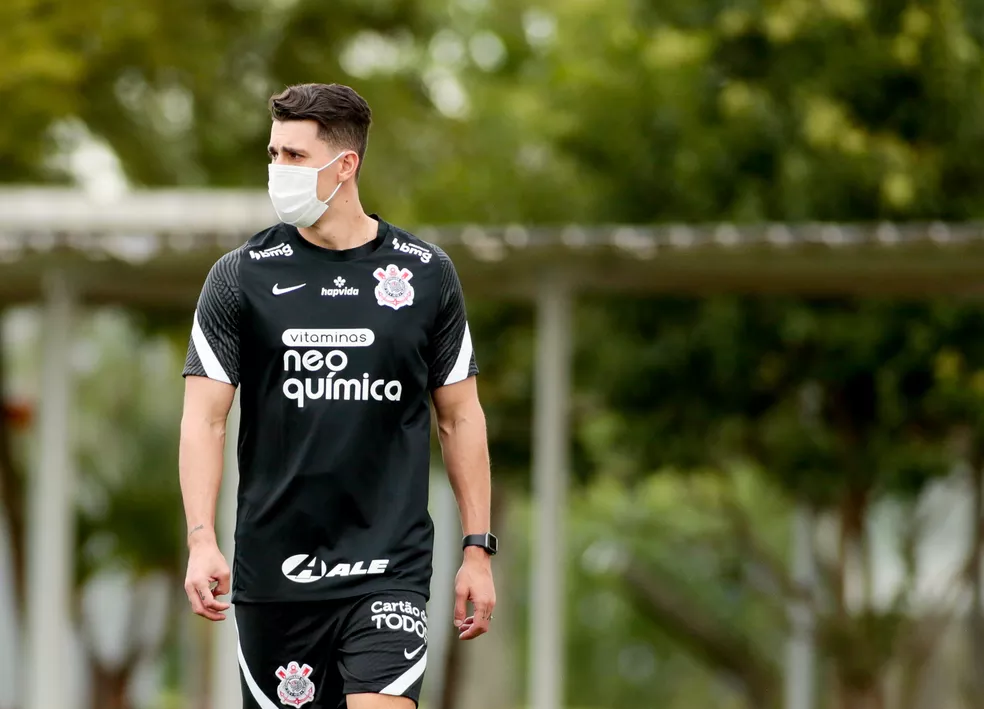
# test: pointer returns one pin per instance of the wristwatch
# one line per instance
(488, 542)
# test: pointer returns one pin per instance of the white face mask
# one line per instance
(294, 193)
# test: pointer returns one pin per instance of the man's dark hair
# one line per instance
(343, 117)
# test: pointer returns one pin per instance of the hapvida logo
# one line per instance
(339, 290)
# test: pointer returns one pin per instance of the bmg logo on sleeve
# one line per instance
(282, 249)
(408, 248)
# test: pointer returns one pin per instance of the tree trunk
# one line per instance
(11, 493)
(860, 673)
(109, 687)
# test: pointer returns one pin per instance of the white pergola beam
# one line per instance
(550, 479)
(51, 517)
(138, 212)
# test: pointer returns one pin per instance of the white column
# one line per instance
(550, 460)
(447, 559)
(226, 689)
(194, 657)
(51, 513)
(800, 661)
(10, 634)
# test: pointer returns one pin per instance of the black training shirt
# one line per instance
(335, 354)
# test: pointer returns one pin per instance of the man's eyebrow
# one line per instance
(286, 149)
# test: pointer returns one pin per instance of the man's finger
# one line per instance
(217, 606)
(221, 586)
(483, 608)
(194, 599)
(212, 605)
(202, 602)
(472, 630)
(210, 597)
(205, 593)
(460, 603)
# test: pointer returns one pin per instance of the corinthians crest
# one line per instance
(295, 688)
(394, 287)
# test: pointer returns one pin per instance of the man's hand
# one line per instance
(208, 577)
(474, 583)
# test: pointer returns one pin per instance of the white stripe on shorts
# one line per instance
(261, 699)
(402, 683)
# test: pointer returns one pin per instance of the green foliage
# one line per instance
(620, 656)
(830, 397)
(845, 110)
(788, 110)
(129, 401)
(503, 337)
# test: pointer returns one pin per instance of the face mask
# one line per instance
(294, 193)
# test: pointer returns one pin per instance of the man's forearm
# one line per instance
(200, 461)
(466, 456)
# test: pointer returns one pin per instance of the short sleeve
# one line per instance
(451, 357)
(213, 350)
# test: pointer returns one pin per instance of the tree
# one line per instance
(129, 539)
(760, 111)
(840, 404)
(131, 533)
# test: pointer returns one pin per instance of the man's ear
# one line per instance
(349, 166)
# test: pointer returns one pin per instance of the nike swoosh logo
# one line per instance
(411, 655)
(277, 290)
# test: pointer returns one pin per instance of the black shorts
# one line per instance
(313, 654)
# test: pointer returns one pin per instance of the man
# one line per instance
(338, 328)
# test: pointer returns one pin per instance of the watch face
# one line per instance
(488, 542)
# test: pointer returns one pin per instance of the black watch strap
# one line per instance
(488, 542)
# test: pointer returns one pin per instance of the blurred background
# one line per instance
(722, 266)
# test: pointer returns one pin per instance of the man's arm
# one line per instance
(200, 460)
(211, 376)
(461, 428)
(464, 443)
(200, 457)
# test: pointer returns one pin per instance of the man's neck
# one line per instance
(344, 226)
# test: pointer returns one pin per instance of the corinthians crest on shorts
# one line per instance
(295, 688)
(394, 287)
